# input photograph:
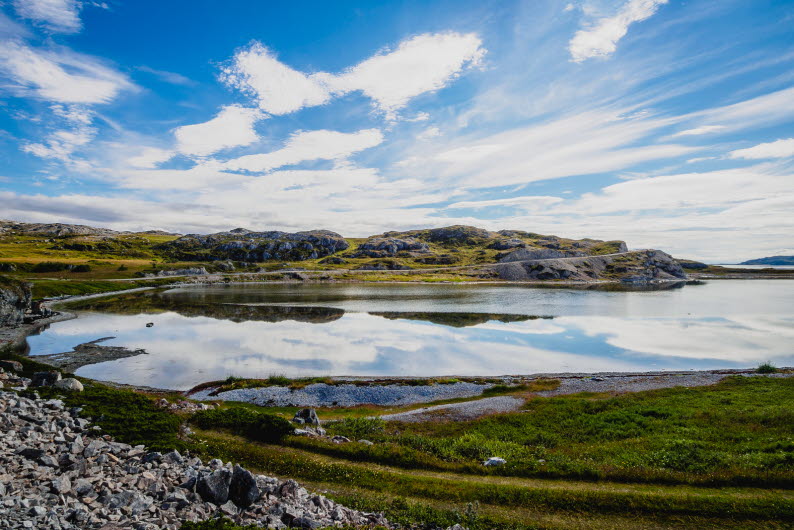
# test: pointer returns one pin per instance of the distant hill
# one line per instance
(771, 260)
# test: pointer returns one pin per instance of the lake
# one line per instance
(256, 330)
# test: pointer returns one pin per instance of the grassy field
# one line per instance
(720, 456)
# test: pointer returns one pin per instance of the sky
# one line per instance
(665, 123)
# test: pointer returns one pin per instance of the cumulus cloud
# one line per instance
(278, 88)
(390, 78)
(59, 76)
(232, 127)
(601, 38)
(778, 149)
(60, 16)
(311, 145)
(418, 65)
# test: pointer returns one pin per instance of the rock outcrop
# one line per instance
(380, 247)
(634, 267)
(244, 245)
(57, 471)
(14, 300)
(53, 229)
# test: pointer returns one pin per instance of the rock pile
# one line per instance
(58, 472)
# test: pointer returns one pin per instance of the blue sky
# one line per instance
(666, 123)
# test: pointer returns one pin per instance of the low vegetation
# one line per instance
(652, 458)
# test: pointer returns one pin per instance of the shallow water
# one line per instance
(208, 333)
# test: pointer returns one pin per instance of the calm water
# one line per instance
(206, 333)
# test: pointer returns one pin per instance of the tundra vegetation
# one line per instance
(717, 456)
(64, 259)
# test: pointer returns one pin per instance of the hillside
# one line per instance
(455, 253)
(771, 260)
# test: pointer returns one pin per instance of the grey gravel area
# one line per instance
(616, 382)
(468, 410)
(345, 395)
(612, 383)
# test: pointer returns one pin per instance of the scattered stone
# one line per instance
(307, 417)
(495, 461)
(150, 324)
(57, 472)
(366, 442)
(340, 439)
(45, 378)
(70, 383)
(11, 366)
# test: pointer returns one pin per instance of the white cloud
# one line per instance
(61, 76)
(61, 16)
(390, 78)
(778, 149)
(587, 143)
(421, 64)
(312, 145)
(150, 157)
(169, 77)
(601, 38)
(526, 202)
(60, 145)
(279, 89)
(232, 127)
(713, 189)
(429, 133)
(697, 131)
(766, 110)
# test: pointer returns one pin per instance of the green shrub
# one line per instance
(357, 428)
(50, 266)
(258, 426)
(766, 368)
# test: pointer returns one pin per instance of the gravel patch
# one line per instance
(469, 410)
(345, 395)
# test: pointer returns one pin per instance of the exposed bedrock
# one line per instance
(244, 245)
(633, 267)
(14, 300)
(389, 247)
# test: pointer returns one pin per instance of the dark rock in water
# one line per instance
(306, 417)
(150, 324)
(243, 490)
(45, 378)
(214, 487)
(11, 366)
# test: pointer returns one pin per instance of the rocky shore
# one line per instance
(59, 472)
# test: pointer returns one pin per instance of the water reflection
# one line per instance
(204, 334)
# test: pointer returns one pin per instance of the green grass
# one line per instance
(53, 288)
(678, 430)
